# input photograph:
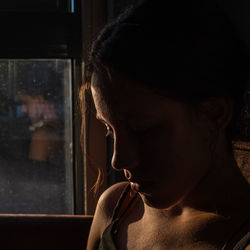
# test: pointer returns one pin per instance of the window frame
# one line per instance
(60, 35)
(49, 35)
(94, 17)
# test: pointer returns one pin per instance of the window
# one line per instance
(39, 42)
(99, 149)
(40, 67)
(36, 136)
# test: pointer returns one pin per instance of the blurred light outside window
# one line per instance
(36, 168)
(72, 6)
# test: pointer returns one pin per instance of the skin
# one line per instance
(43, 144)
(37, 108)
(32, 107)
(44, 140)
(177, 158)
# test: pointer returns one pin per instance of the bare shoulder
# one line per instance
(103, 213)
(110, 197)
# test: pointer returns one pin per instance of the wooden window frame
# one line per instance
(67, 36)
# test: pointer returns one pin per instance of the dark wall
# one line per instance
(239, 11)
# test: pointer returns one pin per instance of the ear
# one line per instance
(218, 110)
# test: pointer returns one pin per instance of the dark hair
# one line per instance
(39, 78)
(188, 50)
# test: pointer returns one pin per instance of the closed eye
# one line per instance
(108, 128)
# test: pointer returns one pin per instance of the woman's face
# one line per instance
(32, 107)
(161, 144)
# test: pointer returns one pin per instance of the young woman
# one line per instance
(168, 82)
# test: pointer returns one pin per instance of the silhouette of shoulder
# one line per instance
(104, 212)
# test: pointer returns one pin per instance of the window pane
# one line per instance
(36, 136)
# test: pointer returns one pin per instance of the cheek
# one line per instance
(175, 152)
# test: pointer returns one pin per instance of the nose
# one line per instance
(125, 155)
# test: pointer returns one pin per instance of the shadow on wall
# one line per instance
(239, 11)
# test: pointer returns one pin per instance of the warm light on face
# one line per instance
(157, 141)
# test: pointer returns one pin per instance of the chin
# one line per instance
(162, 202)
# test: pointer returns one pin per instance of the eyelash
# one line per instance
(135, 131)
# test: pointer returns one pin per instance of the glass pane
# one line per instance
(36, 136)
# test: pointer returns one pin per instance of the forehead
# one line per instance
(121, 99)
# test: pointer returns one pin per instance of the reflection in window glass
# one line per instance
(35, 136)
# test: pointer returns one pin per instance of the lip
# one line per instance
(142, 187)
(135, 178)
(137, 183)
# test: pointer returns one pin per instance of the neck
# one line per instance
(223, 190)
